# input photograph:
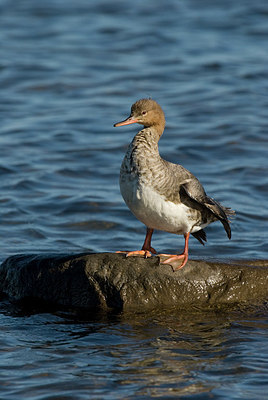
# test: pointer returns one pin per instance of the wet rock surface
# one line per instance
(112, 281)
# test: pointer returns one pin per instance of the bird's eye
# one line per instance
(144, 112)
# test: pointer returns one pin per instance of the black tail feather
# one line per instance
(221, 213)
(200, 236)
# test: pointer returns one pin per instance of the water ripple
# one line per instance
(69, 71)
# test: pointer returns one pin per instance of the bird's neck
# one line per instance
(143, 151)
(142, 157)
(148, 139)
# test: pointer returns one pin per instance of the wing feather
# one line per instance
(196, 192)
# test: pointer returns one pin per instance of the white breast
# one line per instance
(153, 209)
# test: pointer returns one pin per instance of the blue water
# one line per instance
(68, 72)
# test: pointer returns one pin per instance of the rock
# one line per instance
(112, 281)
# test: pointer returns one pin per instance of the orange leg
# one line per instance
(172, 259)
(146, 249)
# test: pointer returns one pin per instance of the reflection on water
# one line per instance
(194, 354)
(164, 354)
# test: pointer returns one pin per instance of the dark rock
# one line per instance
(113, 281)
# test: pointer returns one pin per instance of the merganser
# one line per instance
(163, 195)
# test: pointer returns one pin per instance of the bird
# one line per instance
(162, 195)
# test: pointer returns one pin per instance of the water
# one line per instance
(162, 355)
(68, 71)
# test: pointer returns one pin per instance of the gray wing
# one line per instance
(179, 184)
(196, 192)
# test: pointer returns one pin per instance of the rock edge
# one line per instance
(112, 281)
